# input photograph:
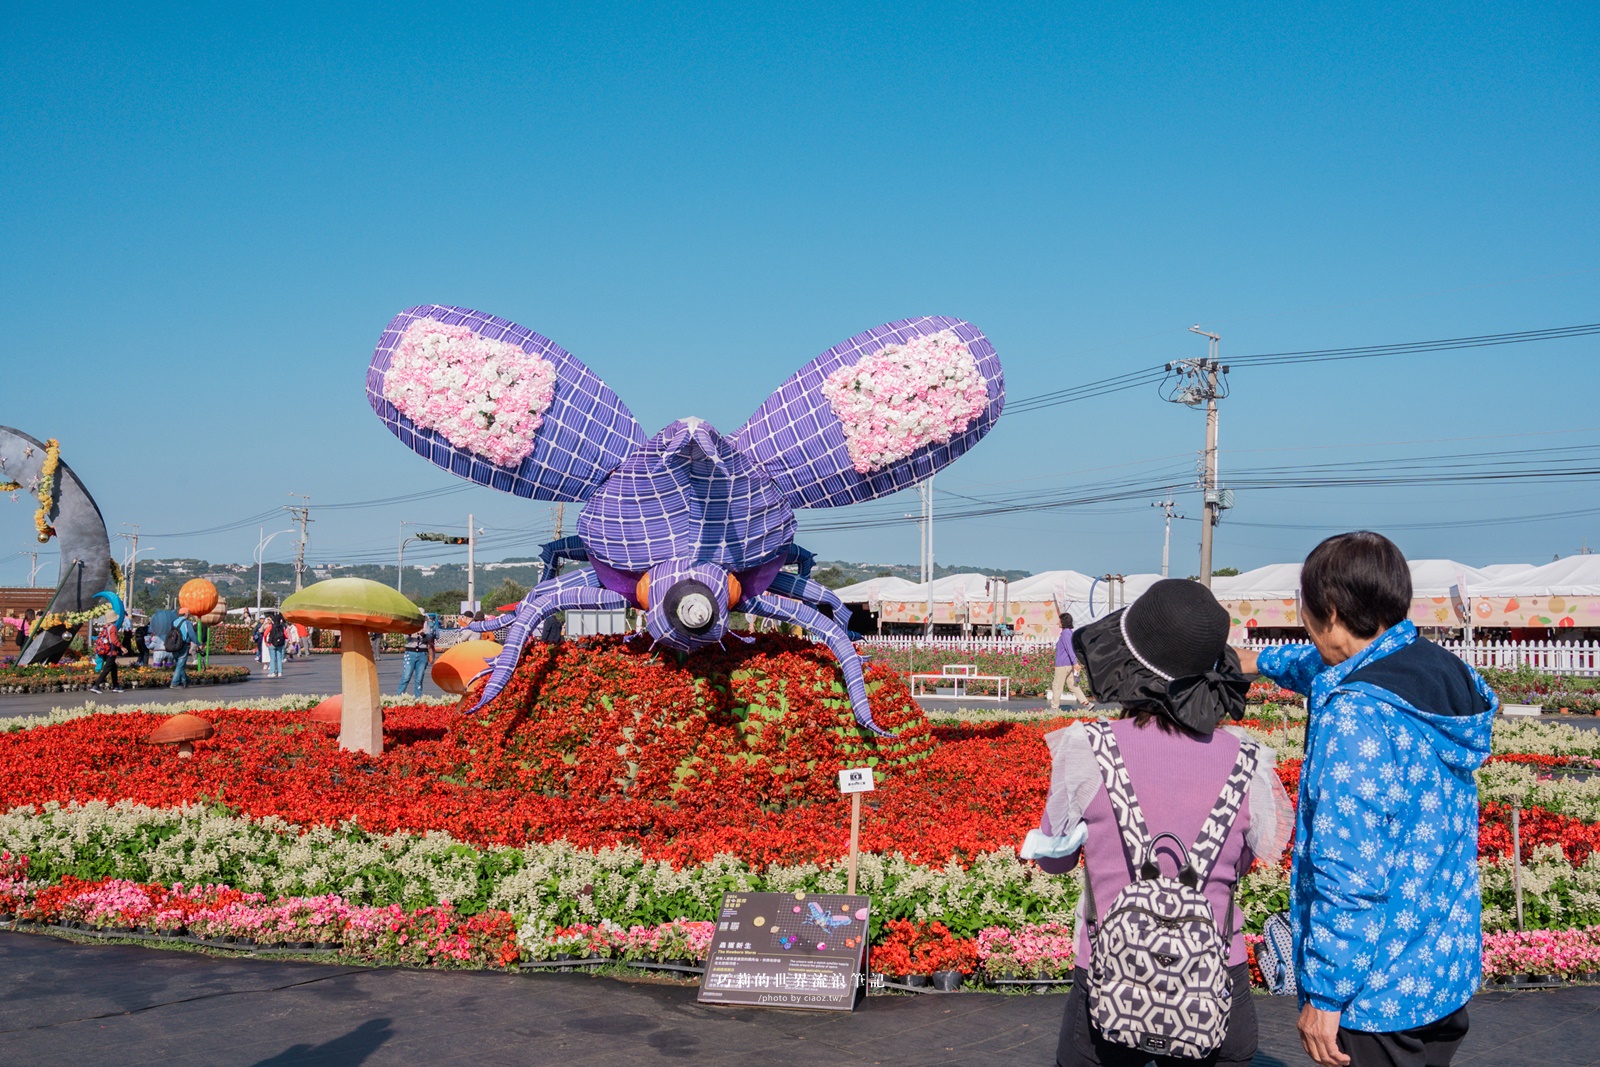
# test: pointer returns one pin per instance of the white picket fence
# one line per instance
(958, 644)
(1549, 657)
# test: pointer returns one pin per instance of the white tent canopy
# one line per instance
(1275, 581)
(1281, 581)
(874, 589)
(1496, 571)
(1573, 576)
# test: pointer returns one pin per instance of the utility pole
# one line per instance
(925, 491)
(302, 515)
(133, 558)
(472, 543)
(33, 570)
(1192, 382)
(560, 509)
(1169, 510)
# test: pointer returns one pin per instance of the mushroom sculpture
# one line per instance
(460, 665)
(357, 608)
(181, 730)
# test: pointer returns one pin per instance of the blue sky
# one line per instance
(207, 216)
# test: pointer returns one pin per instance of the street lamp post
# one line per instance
(400, 575)
(263, 540)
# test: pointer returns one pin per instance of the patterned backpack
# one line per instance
(1158, 967)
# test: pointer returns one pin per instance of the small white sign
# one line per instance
(856, 780)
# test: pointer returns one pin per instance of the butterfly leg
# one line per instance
(554, 553)
(833, 635)
(802, 559)
(580, 589)
(806, 591)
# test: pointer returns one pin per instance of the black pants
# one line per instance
(1082, 1046)
(108, 669)
(1425, 1046)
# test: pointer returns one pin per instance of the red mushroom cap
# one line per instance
(180, 728)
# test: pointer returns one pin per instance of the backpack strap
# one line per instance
(1119, 789)
(1223, 813)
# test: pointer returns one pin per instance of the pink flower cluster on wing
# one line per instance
(903, 397)
(486, 397)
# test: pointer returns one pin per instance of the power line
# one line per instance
(1157, 374)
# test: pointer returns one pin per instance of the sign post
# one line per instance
(855, 781)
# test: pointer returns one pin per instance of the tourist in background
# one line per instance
(1165, 659)
(420, 649)
(262, 626)
(276, 638)
(141, 644)
(183, 626)
(1066, 675)
(1384, 899)
(108, 646)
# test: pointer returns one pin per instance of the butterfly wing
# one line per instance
(878, 413)
(497, 404)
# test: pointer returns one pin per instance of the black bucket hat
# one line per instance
(1166, 652)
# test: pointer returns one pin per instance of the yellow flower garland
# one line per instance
(73, 618)
(47, 482)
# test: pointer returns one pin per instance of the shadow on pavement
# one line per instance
(351, 1048)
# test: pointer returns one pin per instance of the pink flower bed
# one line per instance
(1564, 953)
(681, 939)
(896, 400)
(1044, 950)
(431, 936)
(486, 397)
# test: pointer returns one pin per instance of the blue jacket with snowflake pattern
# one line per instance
(1384, 890)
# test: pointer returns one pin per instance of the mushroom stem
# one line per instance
(361, 722)
(185, 749)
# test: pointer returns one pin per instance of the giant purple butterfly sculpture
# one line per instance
(688, 525)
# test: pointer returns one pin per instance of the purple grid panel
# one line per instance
(799, 442)
(688, 494)
(586, 434)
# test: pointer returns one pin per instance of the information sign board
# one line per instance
(788, 950)
(856, 780)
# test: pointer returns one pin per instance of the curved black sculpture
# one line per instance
(80, 533)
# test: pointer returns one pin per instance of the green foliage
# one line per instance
(447, 602)
(507, 592)
(832, 577)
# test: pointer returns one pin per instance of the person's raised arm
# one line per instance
(1291, 666)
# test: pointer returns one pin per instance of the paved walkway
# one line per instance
(316, 674)
(128, 1005)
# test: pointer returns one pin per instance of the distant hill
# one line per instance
(835, 573)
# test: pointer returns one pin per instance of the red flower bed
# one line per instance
(756, 779)
(923, 948)
(602, 720)
(1538, 827)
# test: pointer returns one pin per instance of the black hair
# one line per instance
(1066, 621)
(1360, 578)
(1144, 716)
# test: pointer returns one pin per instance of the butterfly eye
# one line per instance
(641, 592)
(735, 591)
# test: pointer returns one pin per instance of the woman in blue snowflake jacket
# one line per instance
(1384, 900)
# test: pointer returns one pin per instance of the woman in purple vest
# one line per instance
(1165, 659)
